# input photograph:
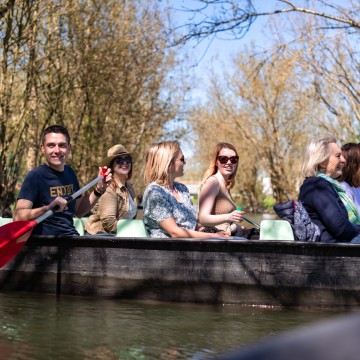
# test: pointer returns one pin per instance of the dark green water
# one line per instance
(43, 327)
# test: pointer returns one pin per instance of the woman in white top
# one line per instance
(118, 200)
(350, 179)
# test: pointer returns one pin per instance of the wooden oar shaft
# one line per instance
(86, 187)
(44, 216)
(252, 222)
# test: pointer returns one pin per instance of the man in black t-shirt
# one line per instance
(48, 185)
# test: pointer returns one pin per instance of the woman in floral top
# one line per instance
(168, 210)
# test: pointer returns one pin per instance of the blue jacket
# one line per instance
(327, 211)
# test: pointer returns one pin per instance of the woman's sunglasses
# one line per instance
(225, 159)
(123, 160)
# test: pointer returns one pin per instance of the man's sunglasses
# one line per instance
(123, 160)
(225, 159)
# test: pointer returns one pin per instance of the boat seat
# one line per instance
(79, 226)
(131, 228)
(4, 221)
(276, 230)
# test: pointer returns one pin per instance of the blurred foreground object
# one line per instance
(336, 339)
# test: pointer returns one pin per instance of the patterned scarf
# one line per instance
(349, 205)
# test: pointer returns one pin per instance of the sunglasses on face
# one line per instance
(225, 159)
(123, 160)
(182, 159)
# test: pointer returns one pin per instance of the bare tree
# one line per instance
(307, 83)
(333, 67)
(101, 68)
(233, 18)
(16, 56)
(263, 106)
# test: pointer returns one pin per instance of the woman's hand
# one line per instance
(236, 216)
(219, 234)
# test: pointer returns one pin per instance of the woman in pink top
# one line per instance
(216, 205)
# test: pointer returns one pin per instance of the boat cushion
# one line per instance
(131, 228)
(276, 230)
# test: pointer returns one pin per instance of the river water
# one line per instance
(40, 327)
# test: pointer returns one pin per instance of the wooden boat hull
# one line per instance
(272, 273)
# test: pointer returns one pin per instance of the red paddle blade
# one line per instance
(13, 237)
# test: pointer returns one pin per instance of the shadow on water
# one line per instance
(43, 327)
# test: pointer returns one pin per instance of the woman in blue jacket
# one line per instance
(322, 195)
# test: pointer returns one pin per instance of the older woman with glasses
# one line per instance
(217, 209)
(118, 200)
(168, 210)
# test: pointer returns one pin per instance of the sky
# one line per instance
(213, 55)
(217, 54)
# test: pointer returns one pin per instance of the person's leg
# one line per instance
(248, 234)
(237, 238)
(356, 239)
(101, 234)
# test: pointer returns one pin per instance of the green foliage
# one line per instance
(269, 202)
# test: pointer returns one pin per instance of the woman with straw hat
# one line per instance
(118, 200)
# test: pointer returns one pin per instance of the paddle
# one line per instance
(252, 222)
(14, 235)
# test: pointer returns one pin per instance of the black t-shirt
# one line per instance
(41, 186)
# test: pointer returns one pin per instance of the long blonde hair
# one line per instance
(159, 158)
(316, 152)
(212, 169)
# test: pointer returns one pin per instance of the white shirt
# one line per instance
(132, 208)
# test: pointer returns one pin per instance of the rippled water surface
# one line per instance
(44, 327)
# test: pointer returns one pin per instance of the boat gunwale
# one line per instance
(204, 245)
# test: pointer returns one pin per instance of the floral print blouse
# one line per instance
(160, 204)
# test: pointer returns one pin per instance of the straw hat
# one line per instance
(115, 151)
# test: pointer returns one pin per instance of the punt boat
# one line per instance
(242, 272)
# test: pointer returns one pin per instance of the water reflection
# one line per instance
(42, 327)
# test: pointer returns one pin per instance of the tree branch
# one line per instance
(236, 19)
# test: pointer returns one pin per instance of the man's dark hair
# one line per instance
(57, 129)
